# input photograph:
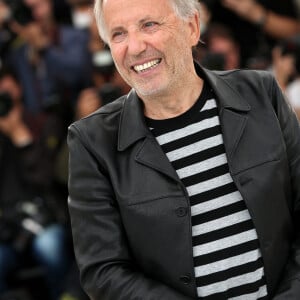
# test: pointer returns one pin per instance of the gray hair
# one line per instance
(183, 8)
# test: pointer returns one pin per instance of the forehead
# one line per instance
(122, 12)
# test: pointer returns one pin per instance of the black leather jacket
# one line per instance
(130, 212)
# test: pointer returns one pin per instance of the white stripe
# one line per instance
(195, 147)
(262, 292)
(209, 104)
(202, 166)
(220, 223)
(227, 263)
(209, 184)
(224, 243)
(229, 283)
(216, 203)
(188, 130)
(192, 128)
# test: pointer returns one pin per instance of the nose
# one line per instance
(136, 43)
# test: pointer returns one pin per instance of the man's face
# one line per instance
(228, 49)
(10, 86)
(150, 44)
(41, 9)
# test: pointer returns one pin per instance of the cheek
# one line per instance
(118, 55)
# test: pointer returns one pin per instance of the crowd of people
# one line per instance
(253, 34)
(55, 69)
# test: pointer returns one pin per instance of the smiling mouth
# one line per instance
(146, 66)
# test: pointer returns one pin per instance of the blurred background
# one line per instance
(54, 69)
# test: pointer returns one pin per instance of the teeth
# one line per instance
(148, 65)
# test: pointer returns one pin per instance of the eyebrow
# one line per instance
(145, 19)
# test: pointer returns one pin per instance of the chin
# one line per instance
(148, 92)
(151, 90)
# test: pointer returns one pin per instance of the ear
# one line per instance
(194, 29)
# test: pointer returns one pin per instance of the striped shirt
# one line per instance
(227, 258)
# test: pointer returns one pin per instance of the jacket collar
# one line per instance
(132, 126)
(132, 122)
(226, 95)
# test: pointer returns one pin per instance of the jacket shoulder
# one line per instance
(247, 75)
(245, 81)
(103, 114)
(103, 124)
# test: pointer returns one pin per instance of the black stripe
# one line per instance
(218, 213)
(229, 273)
(213, 193)
(238, 291)
(191, 139)
(222, 233)
(247, 288)
(193, 116)
(198, 157)
(206, 175)
(226, 253)
(165, 126)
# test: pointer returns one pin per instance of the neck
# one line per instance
(174, 104)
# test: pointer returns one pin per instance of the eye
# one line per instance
(118, 36)
(150, 25)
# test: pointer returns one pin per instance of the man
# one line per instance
(187, 187)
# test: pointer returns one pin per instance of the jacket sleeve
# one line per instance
(107, 269)
(289, 286)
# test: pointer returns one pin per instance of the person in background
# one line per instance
(188, 186)
(221, 48)
(273, 23)
(284, 61)
(297, 4)
(81, 13)
(256, 24)
(292, 90)
(52, 60)
(30, 219)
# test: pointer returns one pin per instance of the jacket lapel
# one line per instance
(233, 112)
(151, 155)
(133, 128)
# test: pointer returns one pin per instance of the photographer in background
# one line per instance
(284, 62)
(257, 24)
(293, 87)
(221, 49)
(81, 13)
(51, 60)
(29, 219)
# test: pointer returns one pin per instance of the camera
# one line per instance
(214, 61)
(24, 220)
(109, 92)
(19, 12)
(6, 103)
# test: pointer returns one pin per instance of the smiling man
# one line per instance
(187, 187)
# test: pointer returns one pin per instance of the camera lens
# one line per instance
(5, 103)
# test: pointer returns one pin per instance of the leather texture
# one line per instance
(131, 237)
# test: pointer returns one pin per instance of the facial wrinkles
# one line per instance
(150, 52)
(145, 56)
(167, 45)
